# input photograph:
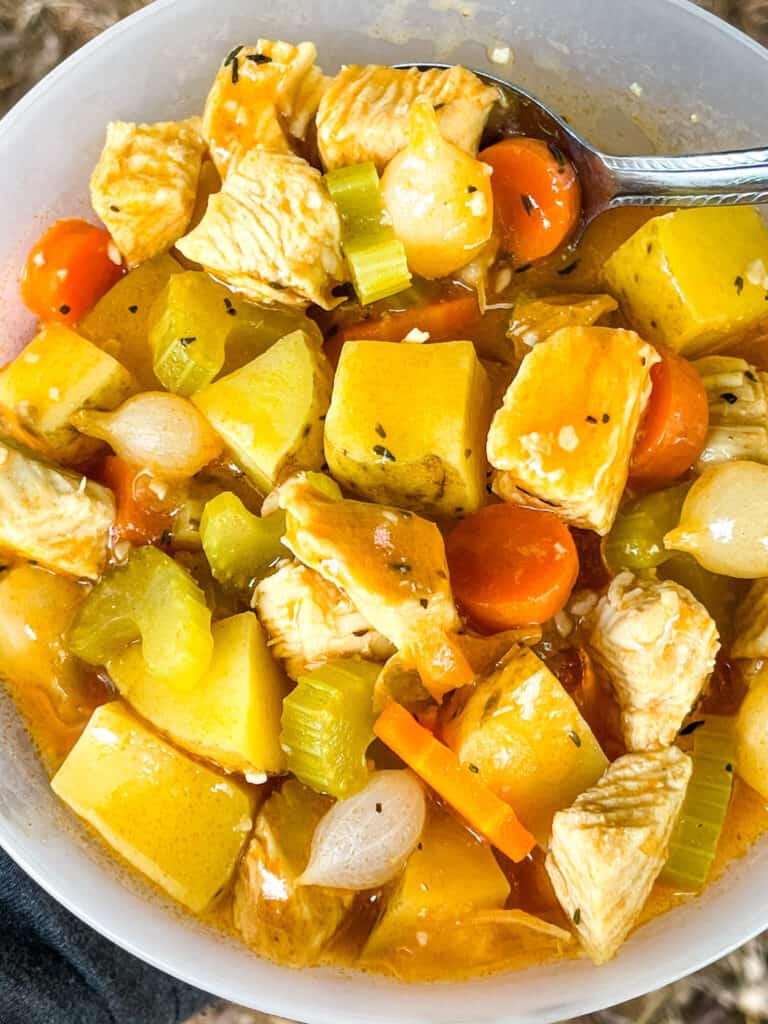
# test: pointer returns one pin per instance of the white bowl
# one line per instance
(699, 84)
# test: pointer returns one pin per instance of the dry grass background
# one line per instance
(35, 35)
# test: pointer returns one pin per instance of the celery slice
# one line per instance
(327, 726)
(154, 600)
(375, 257)
(694, 842)
(240, 546)
(636, 540)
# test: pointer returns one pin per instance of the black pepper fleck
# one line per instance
(729, 397)
(259, 58)
(691, 727)
(654, 325)
(187, 341)
(384, 453)
(64, 310)
(591, 419)
(738, 283)
(133, 309)
(378, 808)
(527, 266)
(474, 769)
(424, 602)
(729, 767)
(380, 430)
(471, 189)
(402, 567)
(605, 418)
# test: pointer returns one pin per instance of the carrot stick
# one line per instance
(459, 785)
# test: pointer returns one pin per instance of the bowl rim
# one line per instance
(283, 1002)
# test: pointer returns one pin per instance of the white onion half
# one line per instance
(364, 841)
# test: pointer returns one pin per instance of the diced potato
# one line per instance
(407, 425)
(232, 716)
(119, 322)
(752, 735)
(36, 608)
(450, 875)
(287, 922)
(569, 446)
(60, 519)
(527, 738)
(684, 278)
(177, 821)
(269, 413)
(58, 374)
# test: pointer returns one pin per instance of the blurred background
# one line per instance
(35, 35)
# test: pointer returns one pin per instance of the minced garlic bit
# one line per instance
(636, 89)
(499, 54)
(416, 336)
(568, 439)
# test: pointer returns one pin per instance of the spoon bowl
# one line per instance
(731, 178)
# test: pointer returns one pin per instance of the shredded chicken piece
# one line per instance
(738, 410)
(145, 184)
(309, 620)
(364, 112)
(391, 564)
(658, 646)
(608, 848)
(272, 233)
(263, 97)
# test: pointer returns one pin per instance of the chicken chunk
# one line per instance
(364, 112)
(569, 447)
(309, 620)
(264, 97)
(272, 233)
(277, 918)
(608, 848)
(658, 646)
(738, 410)
(145, 183)
(750, 638)
(391, 564)
(60, 520)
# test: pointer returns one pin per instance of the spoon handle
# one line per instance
(709, 179)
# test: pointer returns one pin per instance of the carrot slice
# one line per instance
(459, 785)
(674, 429)
(443, 321)
(536, 196)
(69, 269)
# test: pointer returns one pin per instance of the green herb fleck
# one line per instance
(577, 915)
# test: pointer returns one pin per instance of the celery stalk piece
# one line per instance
(636, 540)
(151, 599)
(327, 726)
(240, 547)
(694, 842)
(376, 258)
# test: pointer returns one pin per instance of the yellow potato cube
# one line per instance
(268, 413)
(57, 374)
(119, 322)
(232, 716)
(407, 425)
(566, 429)
(525, 735)
(177, 821)
(450, 875)
(691, 278)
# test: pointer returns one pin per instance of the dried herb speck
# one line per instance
(133, 309)
(64, 310)
(259, 58)
(383, 453)
(467, 453)
(577, 915)
(605, 418)
(232, 55)
(522, 269)
(729, 767)
(691, 727)
(378, 808)
(558, 156)
(564, 271)
(471, 189)
(738, 283)
(474, 769)
(424, 602)
(574, 738)
(166, 536)
(187, 341)
(380, 430)
(527, 202)
(750, 376)
(591, 419)
(402, 567)
(729, 397)
(115, 209)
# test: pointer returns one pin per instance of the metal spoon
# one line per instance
(710, 179)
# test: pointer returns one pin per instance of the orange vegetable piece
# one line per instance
(459, 785)
(141, 516)
(674, 428)
(511, 566)
(536, 195)
(443, 321)
(68, 270)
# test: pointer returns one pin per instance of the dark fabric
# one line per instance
(56, 970)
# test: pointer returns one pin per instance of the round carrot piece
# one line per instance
(536, 196)
(674, 428)
(68, 270)
(511, 566)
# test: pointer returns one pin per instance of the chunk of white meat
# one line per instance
(272, 233)
(264, 97)
(364, 112)
(738, 410)
(608, 848)
(309, 620)
(145, 184)
(657, 644)
(60, 520)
